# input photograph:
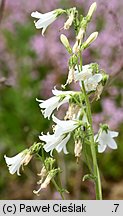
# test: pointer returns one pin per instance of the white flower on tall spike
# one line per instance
(14, 163)
(46, 19)
(53, 142)
(49, 105)
(61, 136)
(90, 81)
(63, 127)
(105, 138)
(86, 73)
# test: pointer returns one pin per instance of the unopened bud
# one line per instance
(76, 47)
(65, 42)
(92, 8)
(105, 78)
(78, 148)
(80, 34)
(90, 39)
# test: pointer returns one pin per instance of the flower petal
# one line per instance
(36, 14)
(43, 23)
(63, 127)
(101, 148)
(97, 77)
(113, 133)
(59, 92)
(62, 144)
(83, 75)
(65, 100)
(112, 144)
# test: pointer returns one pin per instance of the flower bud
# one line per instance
(105, 78)
(65, 42)
(80, 34)
(76, 47)
(92, 8)
(90, 39)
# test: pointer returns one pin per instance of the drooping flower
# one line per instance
(49, 105)
(14, 163)
(92, 83)
(105, 138)
(46, 19)
(86, 75)
(63, 127)
(62, 134)
(53, 142)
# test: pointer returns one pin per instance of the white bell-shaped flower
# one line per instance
(14, 163)
(90, 81)
(49, 105)
(45, 19)
(61, 135)
(85, 74)
(105, 138)
(53, 142)
(63, 127)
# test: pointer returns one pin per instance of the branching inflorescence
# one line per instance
(77, 123)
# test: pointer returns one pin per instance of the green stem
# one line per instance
(92, 146)
(58, 188)
(93, 149)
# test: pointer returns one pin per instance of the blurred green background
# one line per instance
(30, 66)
